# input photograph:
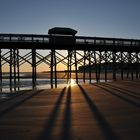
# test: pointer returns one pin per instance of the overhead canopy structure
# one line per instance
(62, 31)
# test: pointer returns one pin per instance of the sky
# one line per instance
(100, 18)
(108, 18)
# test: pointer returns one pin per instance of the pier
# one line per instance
(108, 110)
(97, 52)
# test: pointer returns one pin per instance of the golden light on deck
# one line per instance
(71, 82)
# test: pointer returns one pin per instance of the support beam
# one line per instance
(68, 69)
(69, 66)
(10, 64)
(18, 72)
(99, 65)
(96, 72)
(131, 65)
(84, 66)
(128, 67)
(122, 60)
(52, 64)
(89, 55)
(105, 66)
(137, 66)
(76, 71)
(114, 65)
(14, 64)
(55, 67)
(0, 73)
(34, 67)
(70, 63)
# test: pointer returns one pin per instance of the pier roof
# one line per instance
(62, 31)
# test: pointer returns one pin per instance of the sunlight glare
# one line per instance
(71, 82)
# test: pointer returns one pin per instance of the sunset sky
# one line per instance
(106, 18)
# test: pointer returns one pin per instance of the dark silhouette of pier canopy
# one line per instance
(62, 31)
(62, 36)
(95, 51)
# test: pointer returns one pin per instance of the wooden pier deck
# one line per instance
(105, 111)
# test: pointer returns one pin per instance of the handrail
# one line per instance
(79, 39)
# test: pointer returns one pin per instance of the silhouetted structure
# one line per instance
(119, 67)
(62, 31)
(97, 51)
(61, 36)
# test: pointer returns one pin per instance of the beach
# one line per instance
(103, 111)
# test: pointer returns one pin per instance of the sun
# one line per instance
(71, 82)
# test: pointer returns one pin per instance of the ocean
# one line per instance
(26, 84)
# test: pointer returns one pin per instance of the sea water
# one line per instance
(26, 84)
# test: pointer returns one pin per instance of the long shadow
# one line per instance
(66, 132)
(118, 95)
(8, 97)
(136, 84)
(122, 90)
(2, 113)
(11, 96)
(46, 134)
(130, 91)
(134, 81)
(105, 127)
